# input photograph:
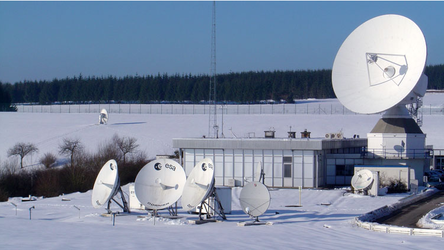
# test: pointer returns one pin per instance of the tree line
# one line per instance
(244, 87)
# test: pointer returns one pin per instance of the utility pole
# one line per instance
(213, 128)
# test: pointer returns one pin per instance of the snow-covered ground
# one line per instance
(154, 132)
(58, 224)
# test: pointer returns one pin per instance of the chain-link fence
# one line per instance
(186, 109)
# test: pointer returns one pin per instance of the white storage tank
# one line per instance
(134, 203)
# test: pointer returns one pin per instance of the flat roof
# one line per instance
(268, 143)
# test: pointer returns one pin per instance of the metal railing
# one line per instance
(397, 154)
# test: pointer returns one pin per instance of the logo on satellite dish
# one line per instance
(111, 166)
(169, 166)
(158, 166)
(205, 166)
(384, 68)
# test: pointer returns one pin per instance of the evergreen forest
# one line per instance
(244, 87)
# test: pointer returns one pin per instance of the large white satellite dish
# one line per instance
(362, 180)
(198, 185)
(380, 65)
(103, 116)
(106, 186)
(159, 184)
(254, 199)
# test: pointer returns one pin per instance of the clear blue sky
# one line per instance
(47, 40)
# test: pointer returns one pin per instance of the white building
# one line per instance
(287, 162)
(290, 162)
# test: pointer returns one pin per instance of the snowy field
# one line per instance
(58, 224)
(154, 132)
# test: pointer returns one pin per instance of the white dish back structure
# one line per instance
(362, 180)
(159, 184)
(254, 198)
(198, 185)
(106, 185)
(380, 65)
(103, 116)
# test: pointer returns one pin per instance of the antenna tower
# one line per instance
(213, 128)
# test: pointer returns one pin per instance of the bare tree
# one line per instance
(70, 147)
(125, 144)
(22, 149)
(48, 160)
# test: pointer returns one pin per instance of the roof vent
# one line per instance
(270, 133)
(305, 134)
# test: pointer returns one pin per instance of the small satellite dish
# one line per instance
(198, 185)
(159, 184)
(362, 180)
(254, 199)
(380, 65)
(106, 186)
(103, 117)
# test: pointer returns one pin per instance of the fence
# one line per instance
(400, 153)
(186, 109)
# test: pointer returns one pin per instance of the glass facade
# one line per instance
(282, 168)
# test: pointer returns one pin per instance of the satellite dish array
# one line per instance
(160, 184)
(379, 67)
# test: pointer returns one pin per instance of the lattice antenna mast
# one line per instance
(213, 128)
(415, 110)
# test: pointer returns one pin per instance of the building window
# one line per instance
(287, 160)
(345, 170)
(439, 162)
